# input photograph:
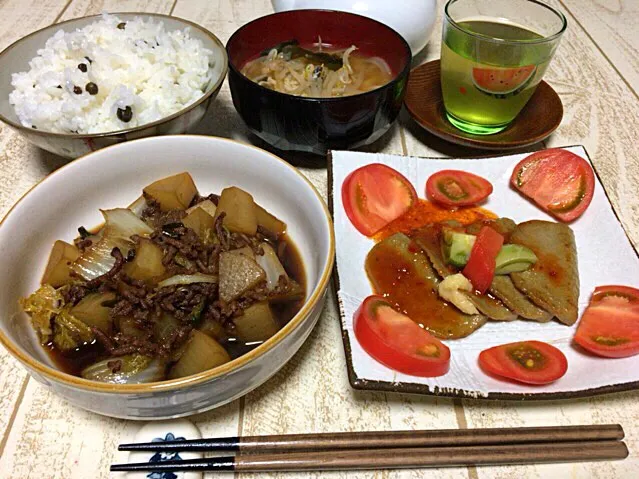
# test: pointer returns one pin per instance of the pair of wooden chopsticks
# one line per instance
(390, 450)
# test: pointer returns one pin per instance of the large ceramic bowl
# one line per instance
(114, 177)
(16, 57)
(413, 19)
(315, 125)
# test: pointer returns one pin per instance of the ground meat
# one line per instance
(74, 293)
(153, 215)
(224, 312)
(135, 294)
(284, 286)
(115, 365)
(169, 255)
(186, 302)
(221, 232)
(83, 244)
(212, 197)
(229, 240)
(140, 342)
(184, 251)
(134, 345)
(122, 308)
(135, 298)
(175, 340)
(103, 339)
(183, 239)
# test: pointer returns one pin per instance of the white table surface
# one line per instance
(596, 73)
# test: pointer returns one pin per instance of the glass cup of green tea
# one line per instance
(494, 54)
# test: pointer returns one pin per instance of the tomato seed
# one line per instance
(528, 357)
(610, 341)
(428, 350)
(452, 189)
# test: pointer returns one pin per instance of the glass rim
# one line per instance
(545, 39)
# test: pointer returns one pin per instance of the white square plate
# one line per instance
(605, 256)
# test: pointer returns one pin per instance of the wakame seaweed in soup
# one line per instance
(176, 284)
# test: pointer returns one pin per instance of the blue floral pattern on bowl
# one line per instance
(165, 456)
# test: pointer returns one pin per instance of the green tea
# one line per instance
(486, 82)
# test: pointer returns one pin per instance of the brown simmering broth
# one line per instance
(75, 361)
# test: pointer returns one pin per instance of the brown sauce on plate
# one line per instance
(408, 282)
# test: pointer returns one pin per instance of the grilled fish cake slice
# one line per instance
(503, 288)
(552, 283)
(503, 226)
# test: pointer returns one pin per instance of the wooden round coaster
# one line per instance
(539, 118)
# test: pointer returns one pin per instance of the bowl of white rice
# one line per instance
(78, 86)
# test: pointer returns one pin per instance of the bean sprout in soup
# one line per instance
(317, 71)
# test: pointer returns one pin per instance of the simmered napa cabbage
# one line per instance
(69, 332)
(129, 369)
(121, 225)
(43, 305)
(94, 310)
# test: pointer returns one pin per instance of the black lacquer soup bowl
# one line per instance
(315, 125)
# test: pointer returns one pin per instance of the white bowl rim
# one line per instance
(116, 133)
(302, 314)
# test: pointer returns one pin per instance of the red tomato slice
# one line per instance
(480, 269)
(374, 195)
(530, 362)
(396, 341)
(457, 188)
(558, 181)
(610, 325)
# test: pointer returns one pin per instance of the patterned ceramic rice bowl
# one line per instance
(105, 124)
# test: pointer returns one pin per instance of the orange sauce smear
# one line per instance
(424, 212)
